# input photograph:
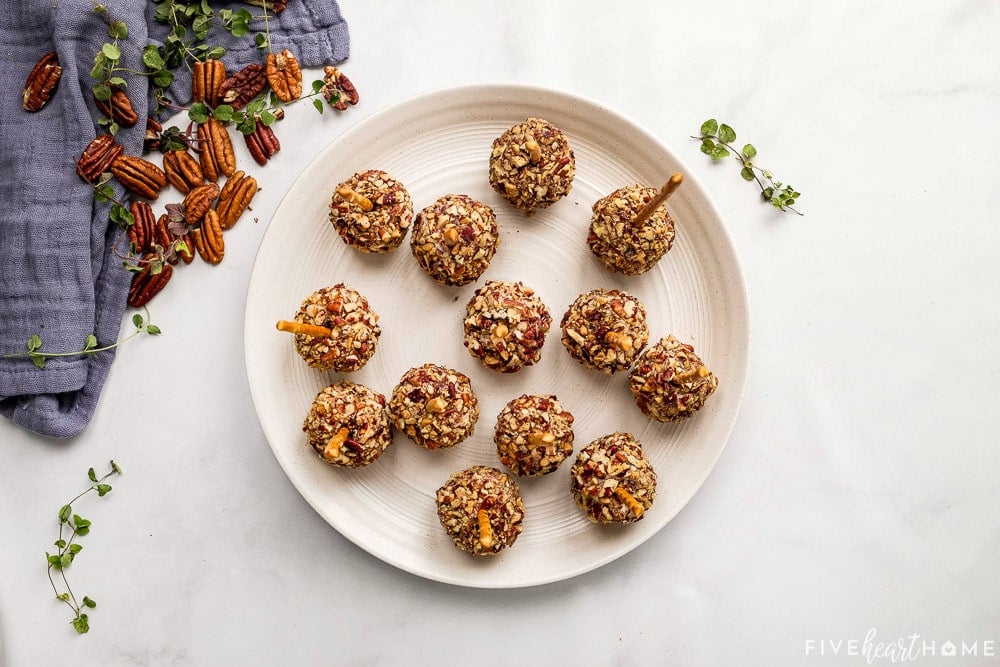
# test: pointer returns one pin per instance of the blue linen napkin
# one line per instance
(59, 276)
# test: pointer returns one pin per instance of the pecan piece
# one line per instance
(142, 233)
(337, 89)
(235, 198)
(240, 88)
(206, 79)
(146, 284)
(208, 238)
(182, 170)
(284, 75)
(42, 82)
(138, 175)
(262, 143)
(97, 157)
(276, 6)
(151, 140)
(118, 108)
(217, 155)
(199, 201)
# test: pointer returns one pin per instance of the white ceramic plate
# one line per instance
(439, 143)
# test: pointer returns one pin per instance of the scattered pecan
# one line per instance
(337, 89)
(42, 82)
(151, 140)
(142, 233)
(206, 80)
(262, 143)
(284, 75)
(240, 88)
(168, 239)
(183, 171)
(208, 238)
(235, 198)
(199, 201)
(217, 155)
(146, 284)
(276, 6)
(118, 108)
(97, 157)
(138, 175)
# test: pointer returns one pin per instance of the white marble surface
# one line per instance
(859, 490)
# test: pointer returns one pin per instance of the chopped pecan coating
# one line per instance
(353, 325)
(505, 325)
(670, 382)
(622, 246)
(348, 425)
(612, 480)
(605, 329)
(481, 510)
(371, 211)
(533, 435)
(454, 239)
(434, 406)
(532, 165)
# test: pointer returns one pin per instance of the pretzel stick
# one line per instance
(313, 330)
(629, 500)
(485, 529)
(661, 196)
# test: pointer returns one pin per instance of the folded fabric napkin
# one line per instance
(59, 276)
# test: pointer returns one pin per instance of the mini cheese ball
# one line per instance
(532, 165)
(505, 325)
(605, 329)
(335, 329)
(612, 481)
(533, 435)
(371, 211)
(623, 243)
(434, 406)
(481, 510)
(454, 239)
(670, 382)
(348, 424)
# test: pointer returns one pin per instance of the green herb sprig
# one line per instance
(71, 527)
(91, 345)
(717, 142)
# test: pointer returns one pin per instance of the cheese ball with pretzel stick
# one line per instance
(371, 211)
(481, 510)
(624, 243)
(670, 382)
(335, 329)
(612, 480)
(348, 425)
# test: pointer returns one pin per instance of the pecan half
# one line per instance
(97, 157)
(151, 140)
(337, 89)
(118, 108)
(42, 82)
(208, 238)
(235, 198)
(199, 201)
(182, 170)
(262, 143)
(276, 6)
(240, 88)
(284, 75)
(217, 155)
(142, 233)
(167, 239)
(146, 284)
(206, 79)
(138, 175)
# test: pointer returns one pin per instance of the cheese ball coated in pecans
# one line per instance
(354, 329)
(454, 239)
(532, 165)
(371, 211)
(670, 382)
(612, 480)
(348, 425)
(621, 246)
(605, 329)
(533, 435)
(481, 510)
(505, 325)
(434, 406)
